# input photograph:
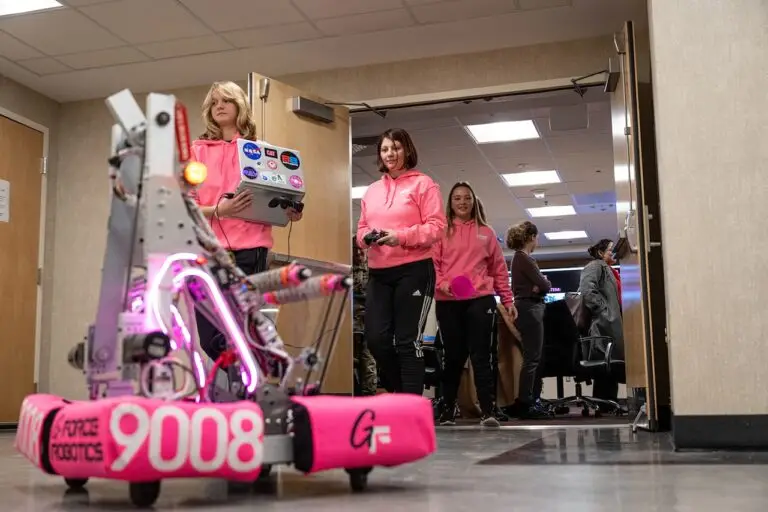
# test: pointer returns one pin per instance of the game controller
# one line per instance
(286, 202)
(374, 236)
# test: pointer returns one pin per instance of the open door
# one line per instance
(322, 239)
(642, 265)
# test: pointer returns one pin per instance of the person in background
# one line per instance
(600, 294)
(363, 360)
(405, 206)
(529, 287)
(227, 117)
(469, 250)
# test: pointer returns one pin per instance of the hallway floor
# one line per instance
(598, 468)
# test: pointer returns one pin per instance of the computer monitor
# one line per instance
(275, 177)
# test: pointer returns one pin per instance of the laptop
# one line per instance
(272, 174)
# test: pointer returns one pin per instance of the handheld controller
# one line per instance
(374, 236)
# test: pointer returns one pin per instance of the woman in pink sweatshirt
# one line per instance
(469, 250)
(228, 117)
(403, 210)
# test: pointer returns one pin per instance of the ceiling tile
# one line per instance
(543, 4)
(102, 58)
(461, 10)
(368, 22)
(319, 9)
(81, 3)
(180, 47)
(147, 21)
(44, 66)
(12, 48)
(551, 189)
(59, 32)
(241, 14)
(550, 199)
(272, 35)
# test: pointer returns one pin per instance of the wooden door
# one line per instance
(324, 234)
(642, 267)
(21, 151)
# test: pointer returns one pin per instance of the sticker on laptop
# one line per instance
(250, 173)
(252, 151)
(296, 181)
(289, 160)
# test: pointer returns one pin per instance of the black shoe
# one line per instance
(448, 416)
(536, 413)
(500, 415)
(488, 420)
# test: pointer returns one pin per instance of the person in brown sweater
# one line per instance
(529, 287)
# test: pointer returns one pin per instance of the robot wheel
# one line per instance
(358, 478)
(144, 494)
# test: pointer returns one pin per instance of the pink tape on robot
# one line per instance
(139, 439)
(358, 432)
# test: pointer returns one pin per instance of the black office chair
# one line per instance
(567, 354)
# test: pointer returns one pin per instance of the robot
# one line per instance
(155, 409)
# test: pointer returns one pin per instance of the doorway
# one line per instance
(22, 150)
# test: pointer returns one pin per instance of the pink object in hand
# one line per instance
(462, 288)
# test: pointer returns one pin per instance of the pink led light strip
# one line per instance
(251, 372)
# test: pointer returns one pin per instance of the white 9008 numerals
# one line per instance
(189, 439)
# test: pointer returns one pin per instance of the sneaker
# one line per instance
(536, 413)
(500, 416)
(448, 416)
(488, 420)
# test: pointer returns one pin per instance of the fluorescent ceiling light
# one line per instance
(531, 178)
(622, 206)
(359, 192)
(621, 173)
(504, 131)
(565, 235)
(551, 211)
(8, 7)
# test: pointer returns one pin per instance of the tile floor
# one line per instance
(568, 468)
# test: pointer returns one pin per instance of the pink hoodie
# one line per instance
(474, 252)
(409, 206)
(223, 177)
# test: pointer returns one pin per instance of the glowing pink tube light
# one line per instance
(251, 376)
(153, 291)
(198, 363)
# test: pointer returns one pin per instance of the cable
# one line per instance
(290, 228)
(228, 195)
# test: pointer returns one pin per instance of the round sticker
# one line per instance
(289, 160)
(251, 173)
(296, 181)
(252, 151)
(272, 164)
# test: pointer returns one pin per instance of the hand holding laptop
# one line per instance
(230, 206)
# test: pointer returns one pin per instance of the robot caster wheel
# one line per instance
(265, 474)
(358, 478)
(144, 494)
(76, 483)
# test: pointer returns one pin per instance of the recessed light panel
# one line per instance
(359, 192)
(503, 131)
(551, 211)
(566, 235)
(8, 7)
(531, 178)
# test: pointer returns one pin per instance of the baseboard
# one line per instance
(720, 432)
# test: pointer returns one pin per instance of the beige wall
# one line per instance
(80, 202)
(711, 97)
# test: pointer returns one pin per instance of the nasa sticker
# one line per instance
(289, 160)
(252, 151)
(296, 181)
(250, 173)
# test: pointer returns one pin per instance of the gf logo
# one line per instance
(365, 433)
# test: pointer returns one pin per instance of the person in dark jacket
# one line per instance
(363, 360)
(600, 294)
(529, 287)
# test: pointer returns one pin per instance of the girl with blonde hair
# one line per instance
(227, 116)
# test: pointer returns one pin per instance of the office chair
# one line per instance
(567, 354)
